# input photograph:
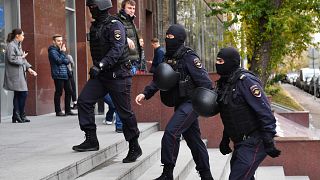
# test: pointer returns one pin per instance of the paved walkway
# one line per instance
(36, 149)
(309, 102)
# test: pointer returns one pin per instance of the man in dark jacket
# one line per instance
(59, 73)
(126, 16)
(158, 54)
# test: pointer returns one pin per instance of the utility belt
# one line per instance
(243, 137)
(119, 71)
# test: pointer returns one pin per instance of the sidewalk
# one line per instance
(43, 146)
(309, 103)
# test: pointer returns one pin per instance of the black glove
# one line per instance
(224, 146)
(94, 72)
(270, 149)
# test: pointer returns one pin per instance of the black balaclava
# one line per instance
(172, 45)
(231, 59)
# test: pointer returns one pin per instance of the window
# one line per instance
(203, 33)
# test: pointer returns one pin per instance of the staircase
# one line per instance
(42, 150)
(148, 166)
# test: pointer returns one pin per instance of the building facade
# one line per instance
(40, 19)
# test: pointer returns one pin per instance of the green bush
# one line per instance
(277, 78)
(272, 90)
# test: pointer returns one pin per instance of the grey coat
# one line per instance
(15, 68)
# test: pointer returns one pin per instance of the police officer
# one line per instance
(246, 115)
(176, 81)
(111, 74)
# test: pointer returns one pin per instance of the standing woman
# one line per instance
(15, 79)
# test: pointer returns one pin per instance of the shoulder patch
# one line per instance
(255, 90)
(197, 63)
(113, 21)
(117, 34)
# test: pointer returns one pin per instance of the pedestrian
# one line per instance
(72, 81)
(246, 115)
(110, 73)
(176, 79)
(15, 78)
(126, 16)
(158, 54)
(59, 73)
(143, 64)
(112, 114)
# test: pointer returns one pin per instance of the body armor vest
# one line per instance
(100, 43)
(185, 87)
(134, 54)
(238, 118)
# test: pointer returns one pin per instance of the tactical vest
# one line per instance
(100, 43)
(238, 118)
(185, 87)
(134, 54)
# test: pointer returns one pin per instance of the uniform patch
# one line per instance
(117, 34)
(255, 91)
(197, 63)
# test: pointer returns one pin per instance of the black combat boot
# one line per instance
(167, 173)
(24, 117)
(134, 151)
(206, 175)
(90, 144)
(16, 118)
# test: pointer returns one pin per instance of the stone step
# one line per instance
(297, 178)
(183, 166)
(111, 144)
(114, 168)
(270, 172)
(218, 162)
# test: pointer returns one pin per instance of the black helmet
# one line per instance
(102, 4)
(165, 77)
(204, 102)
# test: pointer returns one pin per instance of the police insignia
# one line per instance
(255, 91)
(117, 34)
(197, 63)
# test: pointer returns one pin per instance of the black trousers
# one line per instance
(119, 90)
(246, 157)
(60, 85)
(184, 122)
(19, 101)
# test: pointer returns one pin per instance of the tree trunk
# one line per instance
(265, 60)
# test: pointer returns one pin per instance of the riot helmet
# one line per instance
(165, 77)
(101, 4)
(204, 102)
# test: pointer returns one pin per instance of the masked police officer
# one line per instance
(246, 115)
(111, 74)
(176, 79)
